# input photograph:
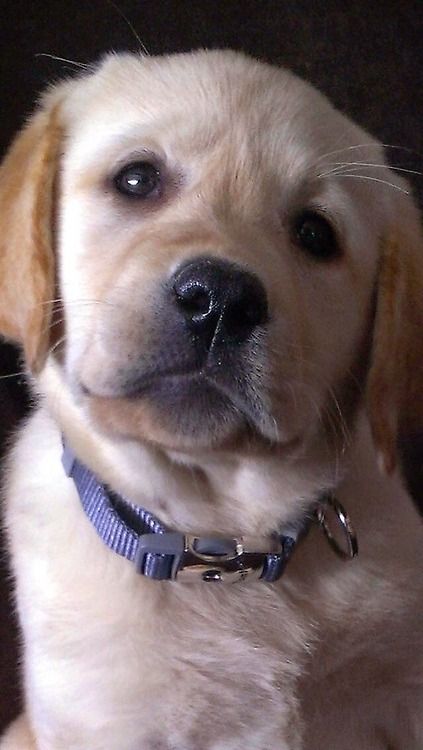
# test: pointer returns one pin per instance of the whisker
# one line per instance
(338, 166)
(130, 26)
(84, 66)
(61, 301)
(373, 179)
(13, 375)
(55, 346)
(52, 325)
(369, 145)
(346, 433)
(347, 148)
(61, 305)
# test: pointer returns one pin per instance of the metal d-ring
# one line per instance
(344, 522)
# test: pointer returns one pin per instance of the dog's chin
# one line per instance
(175, 412)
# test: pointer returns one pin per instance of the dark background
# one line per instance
(367, 56)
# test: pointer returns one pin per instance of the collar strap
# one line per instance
(161, 554)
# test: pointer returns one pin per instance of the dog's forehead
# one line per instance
(213, 83)
(197, 98)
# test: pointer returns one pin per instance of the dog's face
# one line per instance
(218, 253)
(197, 243)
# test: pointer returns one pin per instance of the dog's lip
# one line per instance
(140, 385)
(289, 446)
(145, 385)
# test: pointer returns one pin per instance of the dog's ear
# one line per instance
(395, 382)
(27, 275)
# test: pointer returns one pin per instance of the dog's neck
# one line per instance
(217, 492)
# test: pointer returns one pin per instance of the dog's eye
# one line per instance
(138, 180)
(316, 236)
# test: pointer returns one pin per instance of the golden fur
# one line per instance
(330, 656)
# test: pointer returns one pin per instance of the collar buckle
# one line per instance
(209, 559)
(225, 560)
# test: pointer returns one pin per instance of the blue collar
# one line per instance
(161, 554)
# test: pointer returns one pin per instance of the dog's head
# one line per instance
(232, 259)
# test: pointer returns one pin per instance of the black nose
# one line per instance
(219, 300)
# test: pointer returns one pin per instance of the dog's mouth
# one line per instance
(205, 405)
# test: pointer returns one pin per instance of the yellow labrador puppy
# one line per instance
(217, 284)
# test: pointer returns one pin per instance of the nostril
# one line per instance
(246, 313)
(241, 315)
(194, 299)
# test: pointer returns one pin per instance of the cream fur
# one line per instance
(330, 656)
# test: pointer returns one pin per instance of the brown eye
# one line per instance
(316, 236)
(138, 180)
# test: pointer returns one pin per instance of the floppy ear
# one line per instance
(395, 383)
(27, 276)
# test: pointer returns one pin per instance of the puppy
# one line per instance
(217, 285)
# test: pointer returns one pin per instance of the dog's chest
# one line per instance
(157, 667)
(147, 664)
